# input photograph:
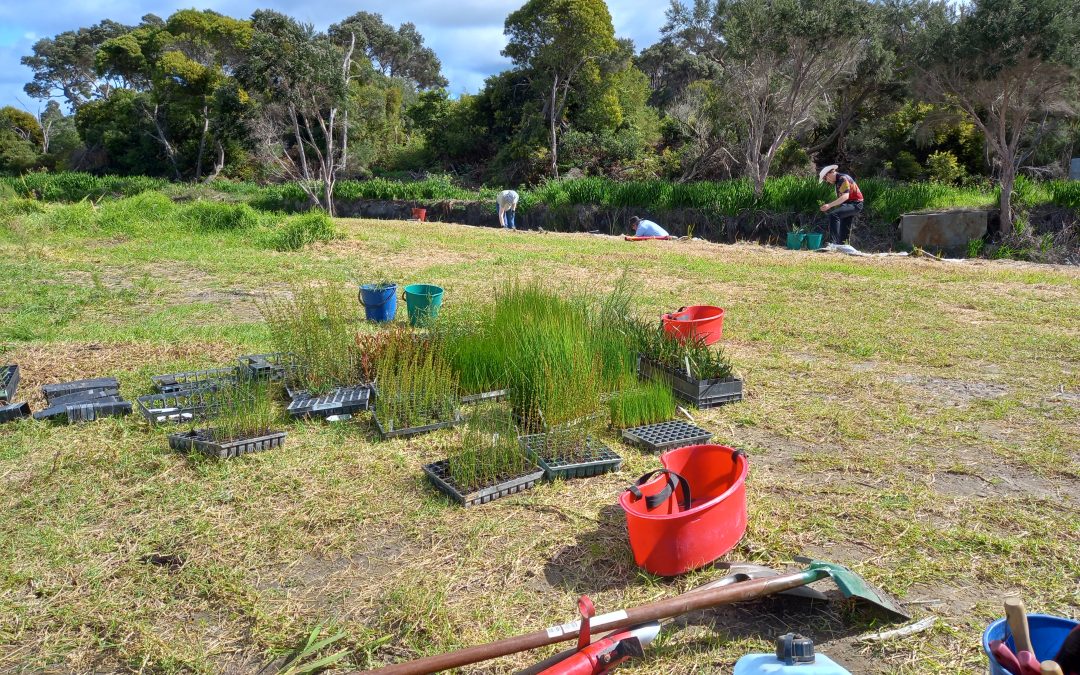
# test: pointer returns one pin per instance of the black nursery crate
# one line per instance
(485, 397)
(203, 441)
(439, 474)
(87, 396)
(14, 411)
(699, 393)
(597, 458)
(85, 412)
(416, 431)
(52, 391)
(9, 382)
(341, 401)
(180, 406)
(274, 367)
(666, 435)
(196, 379)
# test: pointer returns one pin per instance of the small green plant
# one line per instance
(975, 247)
(642, 403)
(303, 661)
(692, 358)
(416, 385)
(243, 410)
(299, 231)
(318, 326)
(489, 451)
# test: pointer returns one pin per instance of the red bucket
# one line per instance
(691, 512)
(419, 214)
(697, 322)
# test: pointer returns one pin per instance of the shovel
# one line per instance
(849, 583)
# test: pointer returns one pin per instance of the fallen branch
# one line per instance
(904, 631)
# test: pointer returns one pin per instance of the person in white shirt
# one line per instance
(507, 202)
(647, 228)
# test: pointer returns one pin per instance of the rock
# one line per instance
(943, 230)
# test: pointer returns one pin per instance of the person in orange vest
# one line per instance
(843, 209)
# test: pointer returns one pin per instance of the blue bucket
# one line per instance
(380, 302)
(1047, 635)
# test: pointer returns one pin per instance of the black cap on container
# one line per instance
(792, 649)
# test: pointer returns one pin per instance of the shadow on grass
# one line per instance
(599, 559)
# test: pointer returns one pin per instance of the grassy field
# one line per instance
(915, 420)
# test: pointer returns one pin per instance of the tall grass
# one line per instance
(318, 327)
(489, 452)
(416, 384)
(296, 232)
(641, 403)
(242, 410)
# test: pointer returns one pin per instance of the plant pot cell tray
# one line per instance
(195, 379)
(415, 431)
(439, 474)
(341, 401)
(9, 382)
(666, 435)
(274, 367)
(14, 411)
(203, 441)
(485, 397)
(592, 460)
(181, 406)
(700, 393)
(85, 412)
(102, 394)
(51, 391)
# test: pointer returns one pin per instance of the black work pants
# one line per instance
(840, 221)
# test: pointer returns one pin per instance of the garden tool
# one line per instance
(1018, 624)
(737, 573)
(1051, 668)
(849, 583)
(1005, 657)
(1029, 665)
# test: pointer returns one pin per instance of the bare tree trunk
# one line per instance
(161, 137)
(202, 140)
(554, 138)
(219, 163)
(1008, 181)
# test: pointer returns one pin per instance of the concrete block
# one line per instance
(943, 230)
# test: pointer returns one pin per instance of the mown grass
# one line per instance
(912, 419)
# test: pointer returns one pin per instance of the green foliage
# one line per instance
(944, 167)
(641, 403)
(70, 186)
(489, 451)
(416, 384)
(318, 326)
(296, 232)
(1065, 193)
(243, 410)
(207, 216)
(691, 357)
(905, 167)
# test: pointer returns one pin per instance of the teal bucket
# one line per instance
(423, 302)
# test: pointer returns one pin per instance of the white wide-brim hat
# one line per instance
(824, 172)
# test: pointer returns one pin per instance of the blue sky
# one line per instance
(466, 34)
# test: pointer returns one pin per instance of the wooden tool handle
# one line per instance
(1051, 668)
(1018, 624)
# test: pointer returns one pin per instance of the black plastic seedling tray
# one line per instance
(341, 401)
(485, 397)
(13, 411)
(596, 458)
(210, 378)
(87, 396)
(85, 412)
(9, 382)
(700, 393)
(53, 391)
(666, 435)
(274, 367)
(181, 406)
(415, 431)
(439, 474)
(203, 441)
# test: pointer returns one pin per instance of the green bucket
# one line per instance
(795, 240)
(423, 302)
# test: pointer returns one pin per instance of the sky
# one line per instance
(467, 35)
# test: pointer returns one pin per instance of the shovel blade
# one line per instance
(854, 586)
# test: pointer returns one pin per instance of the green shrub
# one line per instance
(906, 167)
(944, 167)
(1065, 193)
(299, 231)
(206, 216)
(77, 218)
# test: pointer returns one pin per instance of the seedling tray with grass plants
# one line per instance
(666, 435)
(570, 456)
(485, 397)
(439, 474)
(55, 391)
(415, 431)
(699, 393)
(180, 406)
(196, 379)
(85, 412)
(341, 401)
(204, 441)
(9, 382)
(13, 411)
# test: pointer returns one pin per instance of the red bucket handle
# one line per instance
(674, 482)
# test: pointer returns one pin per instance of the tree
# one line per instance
(1008, 66)
(66, 64)
(557, 43)
(779, 61)
(394, 53)
(302, 79)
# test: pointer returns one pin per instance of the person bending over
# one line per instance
(647, 228)
(507, 202)
(843, 209)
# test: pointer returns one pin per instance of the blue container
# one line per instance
(1047, 635)
(380, 302)
(762, 664)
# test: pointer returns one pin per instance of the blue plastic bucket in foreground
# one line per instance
(380, 302)
(423, 302)
(1047, 635)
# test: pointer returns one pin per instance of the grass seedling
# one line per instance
(416, 385)
(243, 410)
(691, 358)
(489, 452)
(642, 403)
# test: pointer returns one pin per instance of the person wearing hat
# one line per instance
(843, 209)
(647, 228)
(507, 202)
